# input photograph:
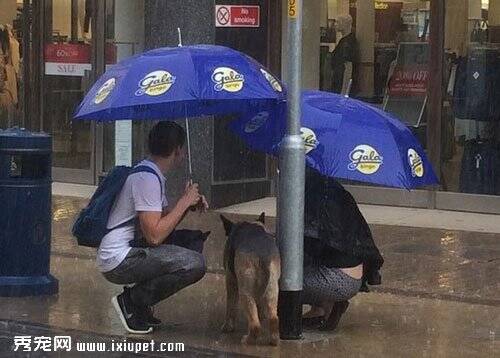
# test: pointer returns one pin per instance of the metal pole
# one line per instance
(291, 188)
(188, 140)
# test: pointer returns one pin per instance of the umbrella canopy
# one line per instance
(179, 82)
(346, 139)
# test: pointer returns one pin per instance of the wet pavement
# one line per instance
(439, 298)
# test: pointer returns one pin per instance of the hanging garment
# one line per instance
(6, 99)
(477, 86)
(480, 173)
(11, 83)
(15, 58)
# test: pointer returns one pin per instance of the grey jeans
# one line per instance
(158, 272)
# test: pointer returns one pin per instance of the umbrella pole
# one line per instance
(188, 143)
(291, 189)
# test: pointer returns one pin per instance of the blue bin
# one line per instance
(26, 215)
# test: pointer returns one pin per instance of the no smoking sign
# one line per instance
(237, 16)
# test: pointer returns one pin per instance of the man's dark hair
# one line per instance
(165, 137)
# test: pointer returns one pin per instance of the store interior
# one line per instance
(380, 54)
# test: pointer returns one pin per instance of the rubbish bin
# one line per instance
(26, 215)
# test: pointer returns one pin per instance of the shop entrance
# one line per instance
(66, 73)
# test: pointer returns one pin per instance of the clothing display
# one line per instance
(477, 85)
(476, 109)
(480, 172)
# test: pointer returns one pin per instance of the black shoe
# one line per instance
(146, 313)
(313, 321)
(333, 320)
(131, 319)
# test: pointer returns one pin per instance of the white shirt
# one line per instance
(141, 192)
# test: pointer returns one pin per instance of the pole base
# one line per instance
(18, 286)
(290, 314)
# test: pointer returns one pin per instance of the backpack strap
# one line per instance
(140, 169)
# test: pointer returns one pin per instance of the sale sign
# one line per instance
(237, 16)
(72, 59)
(409, 80)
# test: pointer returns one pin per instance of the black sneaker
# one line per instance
(146, 313)
(333, 320)
(131, 319)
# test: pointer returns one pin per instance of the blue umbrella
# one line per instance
(182, 82)
(179, 82)
(346, 139)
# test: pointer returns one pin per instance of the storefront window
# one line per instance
(81, 149)
(471, 110)
(378, 52)
(11, 81)
(67, 54)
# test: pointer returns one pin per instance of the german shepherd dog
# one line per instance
(252, 265)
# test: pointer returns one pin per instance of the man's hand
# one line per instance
(191, 196)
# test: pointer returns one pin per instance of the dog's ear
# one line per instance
(262, 218)
(228, 224)
(205, 235)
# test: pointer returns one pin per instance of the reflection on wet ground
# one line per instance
(458, 271)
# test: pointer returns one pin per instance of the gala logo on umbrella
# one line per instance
(272, 81)
(416, 164)
(155, 83)
(310, 140)
(227, 79)
(365, 159)
(104, 91)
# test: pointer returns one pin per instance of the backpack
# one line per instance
(91, 225)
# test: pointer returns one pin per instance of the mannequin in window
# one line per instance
(344, 54)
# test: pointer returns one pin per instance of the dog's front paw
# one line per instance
(248, 339)
(228, 327)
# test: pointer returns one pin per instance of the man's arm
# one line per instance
(156, 226)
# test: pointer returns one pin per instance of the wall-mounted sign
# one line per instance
(379, 5)
(409, 17)
(237, 16)
(62, 59)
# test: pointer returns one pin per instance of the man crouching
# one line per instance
(167, 261)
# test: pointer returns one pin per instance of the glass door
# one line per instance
(470, 146)
(67, 62)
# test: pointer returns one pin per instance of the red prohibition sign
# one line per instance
(223, 15)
